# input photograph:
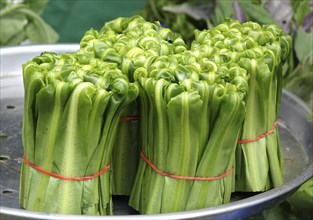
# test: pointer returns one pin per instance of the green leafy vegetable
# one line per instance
(194, 106)
(261, 51)
(296, 207)
(71, 115)
(131, 43)
(301, 79)
(256, 12)
(21, 23)
(178, 143)
(301, 9)
(303, 50)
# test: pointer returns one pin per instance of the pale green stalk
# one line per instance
(182, 156)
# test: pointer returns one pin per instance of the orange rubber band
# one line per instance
(183, 177)
(64, 177)
(129, 118)
(260, 136)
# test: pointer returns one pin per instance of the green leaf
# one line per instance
(50, 105)
(256, 12)
(300, 80)
(223, 9)
(17, 39)
(126, 152)
(301, 9)
(38, 32)
(184, 131)
(18, 18)
(302, 200)
(197, 12)
(303, 44)
(10, 27)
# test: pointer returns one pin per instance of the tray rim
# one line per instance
(253, 201)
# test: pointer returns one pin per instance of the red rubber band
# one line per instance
(64, 177)
(260, 136)
(129, 118)
(183, 177)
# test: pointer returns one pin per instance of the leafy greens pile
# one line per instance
(194, 106)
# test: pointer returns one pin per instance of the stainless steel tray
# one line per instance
(295, 129)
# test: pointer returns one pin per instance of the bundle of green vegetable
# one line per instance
(188, 107)
(130, 43)
(294, 16)
(72, 108)
(261, 51)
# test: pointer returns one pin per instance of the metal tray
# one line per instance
(295, 129)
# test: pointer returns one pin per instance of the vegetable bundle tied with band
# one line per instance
(72, 108)
(186, 160)
(261, 51)
(130, 43)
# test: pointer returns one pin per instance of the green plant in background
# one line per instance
(299, 79)
(21, 23)
(297, 207)
(180, 16)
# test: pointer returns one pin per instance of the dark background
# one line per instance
(72, 18)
